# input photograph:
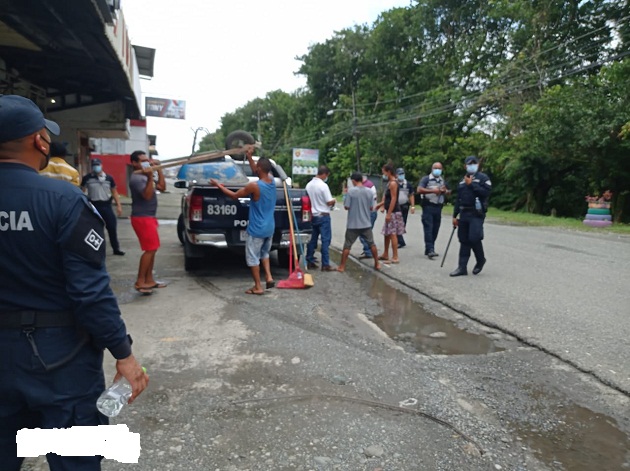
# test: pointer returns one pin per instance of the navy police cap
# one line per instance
(20, 117)
(471, 159)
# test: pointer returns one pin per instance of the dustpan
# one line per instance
(296, 276)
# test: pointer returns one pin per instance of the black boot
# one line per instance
(459, 272)
(479, 267)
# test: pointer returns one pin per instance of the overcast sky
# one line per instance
(220, 55)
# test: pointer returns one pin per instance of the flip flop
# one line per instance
(251, 291)
(159, 284)
(270, 284)
(144, 291)
(385, 259)
(394, 261)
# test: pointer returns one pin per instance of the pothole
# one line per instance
(407, 321)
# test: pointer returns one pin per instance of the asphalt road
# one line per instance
(276, 382)
(562, 291)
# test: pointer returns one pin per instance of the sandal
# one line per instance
(251, 291)
(144, 291)
(270, 284)
(394, 260)
(385, 259)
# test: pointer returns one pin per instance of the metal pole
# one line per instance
(355, 131)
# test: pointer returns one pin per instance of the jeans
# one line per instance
(431, 220)
(321, 226)
(366, 247)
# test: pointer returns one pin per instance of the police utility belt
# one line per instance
(30, 321)
(36, 319)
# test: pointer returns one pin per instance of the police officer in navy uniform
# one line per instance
(471, 206)
(57, 310)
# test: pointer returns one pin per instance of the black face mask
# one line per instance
(47, 155)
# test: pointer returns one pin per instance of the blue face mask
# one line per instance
(97, 169)
(401, 178)
(385, 177)
(436, 172)
(472, 168)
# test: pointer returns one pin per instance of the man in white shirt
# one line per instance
(321, 203)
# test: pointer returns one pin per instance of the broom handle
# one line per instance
(289, 210)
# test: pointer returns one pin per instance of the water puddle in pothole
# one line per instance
(409, 322)
(580, 439)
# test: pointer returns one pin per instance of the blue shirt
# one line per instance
(52, 255)
(261, 212)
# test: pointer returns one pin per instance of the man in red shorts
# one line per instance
(143, 217)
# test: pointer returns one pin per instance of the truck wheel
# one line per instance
(192, 263)
(180, 228)
(238, 139)
(283, 258)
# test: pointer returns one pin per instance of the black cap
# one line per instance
(20, 117)
(471, 159)
(96, 162)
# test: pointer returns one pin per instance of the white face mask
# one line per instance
(145, 164)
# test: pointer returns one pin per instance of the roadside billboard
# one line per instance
(165, 108)
(305, 161)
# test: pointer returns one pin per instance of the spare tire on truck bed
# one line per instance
(238, 139)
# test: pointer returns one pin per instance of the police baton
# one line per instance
(448, 245)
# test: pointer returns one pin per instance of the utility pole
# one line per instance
(355, 131)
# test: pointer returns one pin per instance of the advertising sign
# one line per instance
(165, 108)
(305, 161)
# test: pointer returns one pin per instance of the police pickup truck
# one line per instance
(210, 220)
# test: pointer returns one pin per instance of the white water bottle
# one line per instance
(112, 400)
(477, 205)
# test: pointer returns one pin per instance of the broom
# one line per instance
(296, 276)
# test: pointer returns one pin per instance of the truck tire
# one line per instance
(192, 257)
(238, 139)
(180, 228)
(283, 258)
(192, 263)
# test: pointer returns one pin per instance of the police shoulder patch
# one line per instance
(87, 236)
(94, 240)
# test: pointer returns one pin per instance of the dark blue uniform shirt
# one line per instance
(52, 255)
(466, 194)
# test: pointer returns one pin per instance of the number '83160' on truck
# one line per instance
(210, 220)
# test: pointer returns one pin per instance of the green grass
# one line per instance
(527, 219)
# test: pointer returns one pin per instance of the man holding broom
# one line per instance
(262, 194)
(359, 203)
